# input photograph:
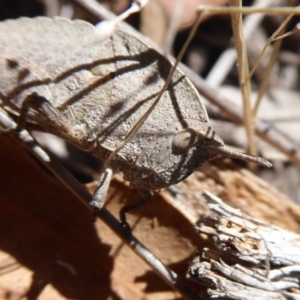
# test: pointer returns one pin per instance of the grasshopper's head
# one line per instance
(177, 152)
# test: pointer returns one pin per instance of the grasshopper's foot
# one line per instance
(127, 228)
(123, 219)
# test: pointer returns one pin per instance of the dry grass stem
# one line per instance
(243, 71)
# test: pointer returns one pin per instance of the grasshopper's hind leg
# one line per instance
(57, 120)
(46, 110)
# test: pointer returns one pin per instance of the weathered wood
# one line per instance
(253, 260)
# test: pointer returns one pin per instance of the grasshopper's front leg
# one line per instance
(100, 193)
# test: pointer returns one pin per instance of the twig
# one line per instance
(243, 71)
(272, 60)
(227, 59)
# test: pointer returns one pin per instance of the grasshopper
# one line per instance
(54, 74)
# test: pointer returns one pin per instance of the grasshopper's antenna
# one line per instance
(242, 156)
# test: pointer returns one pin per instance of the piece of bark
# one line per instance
(51, 249)
(251, 259)
(40, 209)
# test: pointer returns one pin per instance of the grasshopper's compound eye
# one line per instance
(183, 141)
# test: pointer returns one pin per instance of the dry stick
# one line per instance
(296, 29)
(272, 60)
(271, 39)
(27, 141)
(243, 72)
(250, 10)
(264, 130)
(274, 137)
(227, 59)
